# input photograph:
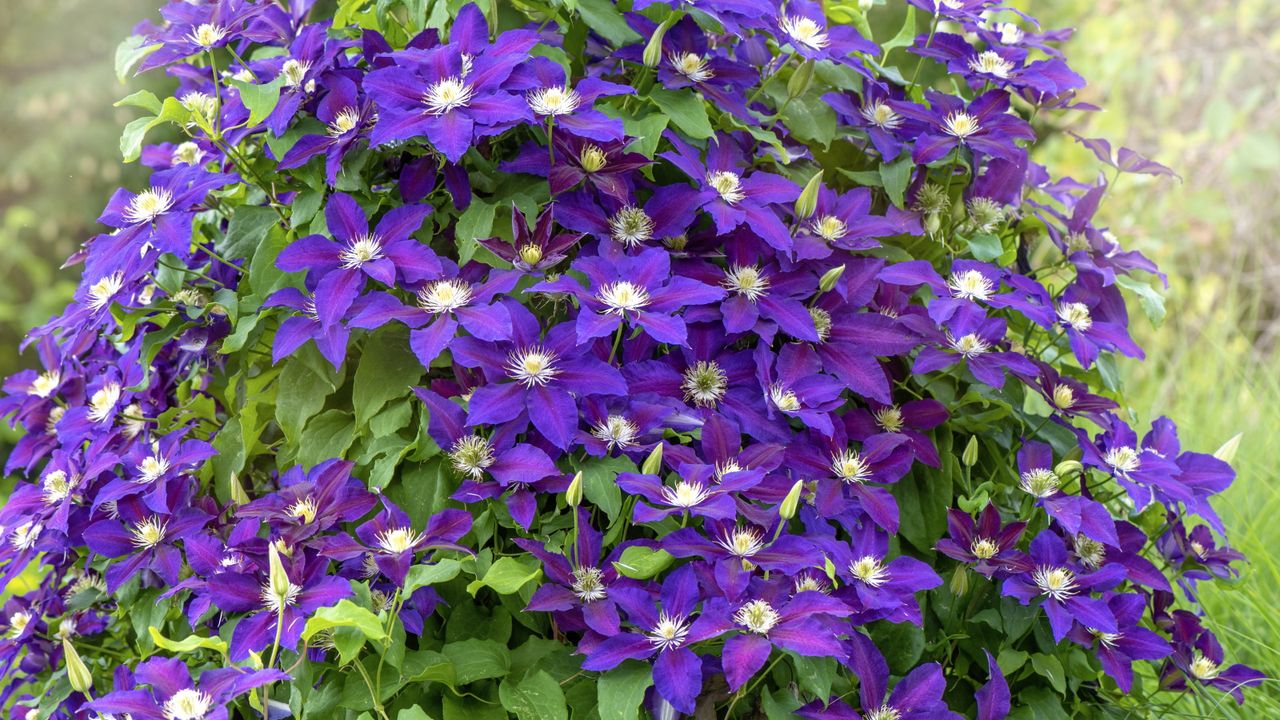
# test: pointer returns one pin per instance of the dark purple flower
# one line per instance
(987, 546)
(549, 95)
(304, 324)
(148, 541)
(878, 588)
(1197, 656)
(346, 116)
(983, 125)
(804, 26)
(770, 616)
(159, 217)
(1118, 650)
(173, 693)
(192, 29)
(917, 696)
(1066, 591)
(533, 251)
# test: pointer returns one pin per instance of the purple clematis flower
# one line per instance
(697, 492)
(876, 115)
(917, 696)
(803, 25)
(311, 502)
(532, 376)
(984, 125)
(1000, 66)
(159, 217)
(1065, 590)
(689, 61)
(733, 548)
(346, 116)
(637, 289)
(664, 626)
(547, 91)
(193, 29)
(395, 544)
(987, 546)
(797, 389)
(1117, 651)
(970, 336)
(339, 269)
(303, 325)
(1068, 395)
(172, 692)
(878, 588)
(605, 167)
(1094, 318)
(730, 197)
(154, 470)
(146, 539)
(533, 251)
(582, 582)
(912, 419)
(453, 94)
(1198, 657)
(845, 222)
(1077, 514)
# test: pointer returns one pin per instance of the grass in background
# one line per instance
(1193, 84)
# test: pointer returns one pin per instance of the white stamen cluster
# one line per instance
(704, 383)
(970, 345)
(103, 401)
(274, 602)
(631, 226)
(588, 584)
(685, 494)
(882, 115)
(152, 468)
(18, 622)
(394, 541)
(344, 122)
(1203, 668)
(1075, 316)
(553, 101)
(961, 125)
(622, 296)
(990, 62)
(532, 366)
(188, 704)
(104, 290)
(617, 432)
(783, 398)
(829, 228)
(24, 536)
(293, 71)
(471, 455)
(728, 185)
(870, 570)
(884, 712)
(757, 616)
(984, 548)
(805, 31)
(1040, 482)
(742, 542)
(747, 281)
(1064, 397)
(57, 486)
(970, 285)
(361, 250)
(206, 35)
(850, 466)
(691, 65)
(45, 383)
(444, 296)
(1055, 582)
(821, 323)
(447, 94)
(1123, 459)
(592, 158)
(889, 418)
(670, 632)
(1091, 552)
(148, 533)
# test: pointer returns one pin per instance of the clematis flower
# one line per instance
(638, 290)
(1077, 514)
(1068, 395)
(917, 695)
(912, 419)
(804, 26)
(875, 114)
(1117, 651)
(604, 166)
(339, 269)
(845, 222)
(1138, 467)
(303, 325)
(1000, 65)
(697, 493)
(988, 546)
(193, 29)
(311, 55)
(310, 502)
(159, 217)
(172, 692)
(1094, 319)
(984, 125)
(453, 94)
(1066, 592)
(688, 60)
(148, 541)
(737, 549)
(580, 591)
(154, 470)
(796, 388)
(395, 544)
(549, 95)
(972, 283)
(878, 588)
(1198, 657)
(346, 116)
(972, 337)
(664, 626)
(1198, 554)
(668, 213)
(533, 251)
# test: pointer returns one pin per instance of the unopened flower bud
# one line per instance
(653, 464)
(865, 5)
(653, 49)
(573, 495)
(238, 495)
(791, 502)
(932, 223)
(1227, 452)
(970, 456)
(830, 278)
(77, 672)
(277, 578)
(1067, 468)
(807, 203)
(800, 80)
(960, 581)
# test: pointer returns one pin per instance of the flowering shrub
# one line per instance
(790, 389)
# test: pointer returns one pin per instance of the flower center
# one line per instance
(206, 35)
(746, 280)
(984, 549)
(366, 248)
(691, 65)
(704, 383)
(728, 184)
(991, 62)
(870, 570)
(783, 398)
(1040, 482)
(304, 510)
(471, 455)
(588, 584)
(187, 153)
(805, 31)
(1075, 316)
(444, 296)
(148, 533)
(742, 542)
(398, 540)
(1064, 397)
(293, 71)
(1010, 34)
(670, 632)
(553, 101)
(533, 366)
(531, 255)
(631, 226)
(726, 467)
(56, 486)
(275, 603)
(970, 285)
(103, 401)
(829, 228)
(850, 467)
(592, 159)
(810, 582)
(45, 383)
(884, 713)
(148, 204)
(621, 296)
(25, 535)
(202, 104)
(889, 419)
(821, 323)
(18, 622)
(346, 120)
(1090, 552)
(1055, 582)
(961, 124)
(616, 432)
(970, 345)
(187, 704)
(448, 94)
(152, 468)
(882, 115)
(685, 494)
(1123, 459)
(757, 616)
(1202, 667)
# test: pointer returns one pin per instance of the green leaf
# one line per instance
(423, 575)
(686, 110)
(328, 435)
(301, 394)
(413, 713)
(600, 482)
(345, 614)
(1050, 667)
(187, 644)
(131, 138)
(604, 18)
(537, 697)
(246, 232)
(261, 99)
(144, 99)
(476, 222)
(477, 659)
(1149, 297)
(647, 133)
(1011, 660)
(811, 119)
(130, 52)
(815, 674)
(506, 576)
(621, 690)
(901, 643)
(387, 370)
(896, 176)
(641, 563)
(906, 34)
(985, 246)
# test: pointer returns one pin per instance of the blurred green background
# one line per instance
(1194, 84)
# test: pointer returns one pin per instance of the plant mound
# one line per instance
(726, 358)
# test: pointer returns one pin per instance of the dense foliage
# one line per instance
(575, 360)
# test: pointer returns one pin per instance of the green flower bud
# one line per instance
(77, 672)
(277, 578)
(573, 495)
(238, 495)
(808, 200)
(1067, 468)
(653, 49)
(800, 80)
(1227, 452)
(865, 5)
(830, 278)
(970, 456)
(791, 502)
(653, 464)
(960, 581)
